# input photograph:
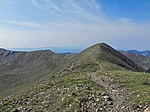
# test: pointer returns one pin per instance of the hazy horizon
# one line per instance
(64, 49)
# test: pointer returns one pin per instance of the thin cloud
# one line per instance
(71, 10)
(77, 23)
(124, 19)
(25, 24)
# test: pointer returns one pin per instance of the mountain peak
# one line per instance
(104, 52)
(101, 45)
(97, 49)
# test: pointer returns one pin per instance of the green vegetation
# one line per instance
(136, 84)
(21, 70)
(98, 79)
(66, 93)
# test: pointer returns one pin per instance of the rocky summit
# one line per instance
(99, 79)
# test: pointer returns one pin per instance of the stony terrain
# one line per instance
(99, 79)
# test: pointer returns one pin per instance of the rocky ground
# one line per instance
(76, 88)
(119, 97)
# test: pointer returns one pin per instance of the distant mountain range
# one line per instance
(73, 50)
(144, 53)
(140, 59)
(55, 49)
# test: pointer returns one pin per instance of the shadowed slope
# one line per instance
(141, 60)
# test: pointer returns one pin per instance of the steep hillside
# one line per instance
(19, 70)
(142, 61)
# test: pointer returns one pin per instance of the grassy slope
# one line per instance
(21, 70)
(65, 92)
(73, 89)
(136, 83)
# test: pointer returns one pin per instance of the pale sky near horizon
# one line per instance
(124, 24)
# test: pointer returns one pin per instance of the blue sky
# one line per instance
(124, 24)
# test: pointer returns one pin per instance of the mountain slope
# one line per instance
(103, 51)
(19, 70)
(142, 61)
(99, 79)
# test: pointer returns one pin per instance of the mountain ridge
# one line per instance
(144, 53)
(105, 52)
(141, 60)
(98, 79)
(27, 66)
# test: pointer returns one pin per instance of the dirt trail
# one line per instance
(119, 98)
